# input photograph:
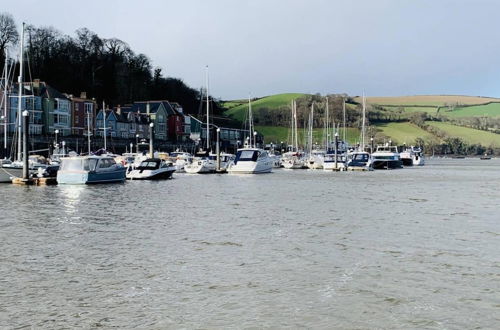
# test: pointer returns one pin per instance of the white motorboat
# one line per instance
(386, 157)
(251, 161)
(151, 169)
(412, 156)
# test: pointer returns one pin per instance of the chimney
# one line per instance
(147, 108)
(83, 95)
(118, 110)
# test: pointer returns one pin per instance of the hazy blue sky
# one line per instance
(383, 47)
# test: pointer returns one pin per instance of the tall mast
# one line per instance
(295, 125)
(343, 112)
(292, 126)
(88, 129)
(19, 98)
(104, 123)
(311, 125)
(250, 121)
(208, 112)
(363, 125)
(327, 127)
(5, 103)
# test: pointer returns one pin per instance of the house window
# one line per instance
(88, 107)
(61, 119)
(30, 103)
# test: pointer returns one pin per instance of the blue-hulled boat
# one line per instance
(90, 169)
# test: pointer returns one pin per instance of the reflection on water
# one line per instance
(413, 248)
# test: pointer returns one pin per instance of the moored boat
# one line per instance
(151, 169)
(386, 157)
(251, 161)
(90, 169)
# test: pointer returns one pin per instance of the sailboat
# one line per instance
(293, 159)
(251, 160)
(8, 169)
(360, 159)
(316, 156)
(202, 163)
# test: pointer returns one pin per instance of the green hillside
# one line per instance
(403, 132)
(488, 110)
(238, 109)
(277, 134)
(429, 100)
(469, 135)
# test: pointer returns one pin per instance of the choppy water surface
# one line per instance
(413, 248)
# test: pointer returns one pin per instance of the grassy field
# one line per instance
(488, 110)
(238, 109)
(469, 135)
(431, 110)
(277, 134)
(403, 132)
(435, 100)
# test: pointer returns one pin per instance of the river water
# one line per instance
(417, 248)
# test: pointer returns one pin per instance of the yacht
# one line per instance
(9, 170)
(201, 164)
(180, 159)
(316, 159)
(251, 161)
(359, 161)
(329, 162)
(225, 160)
(293, 160)
(90, 169)
(412, 156)
(386, 157)
(151, 169)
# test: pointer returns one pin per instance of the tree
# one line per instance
(8, 33)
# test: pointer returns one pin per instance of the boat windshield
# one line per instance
(71, 165)
(385, 157)
(247, 155)
(148, 165)
(360, 157)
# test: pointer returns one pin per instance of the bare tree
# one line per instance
(8, 33)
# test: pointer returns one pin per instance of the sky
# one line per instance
(265, 47)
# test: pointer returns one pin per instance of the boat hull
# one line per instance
(160, 174)
(90, 177)
(386, 164)
(248, 167)
(8, 173)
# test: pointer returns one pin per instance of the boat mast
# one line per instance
(104, 124)
(208, 112)
(250, 121)
(292, 125)
(363, 125)
(343, 112)
(19, 97)
(88, 130)
(295, 126)
(327, 127)
(311, 119)
(5, 103)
